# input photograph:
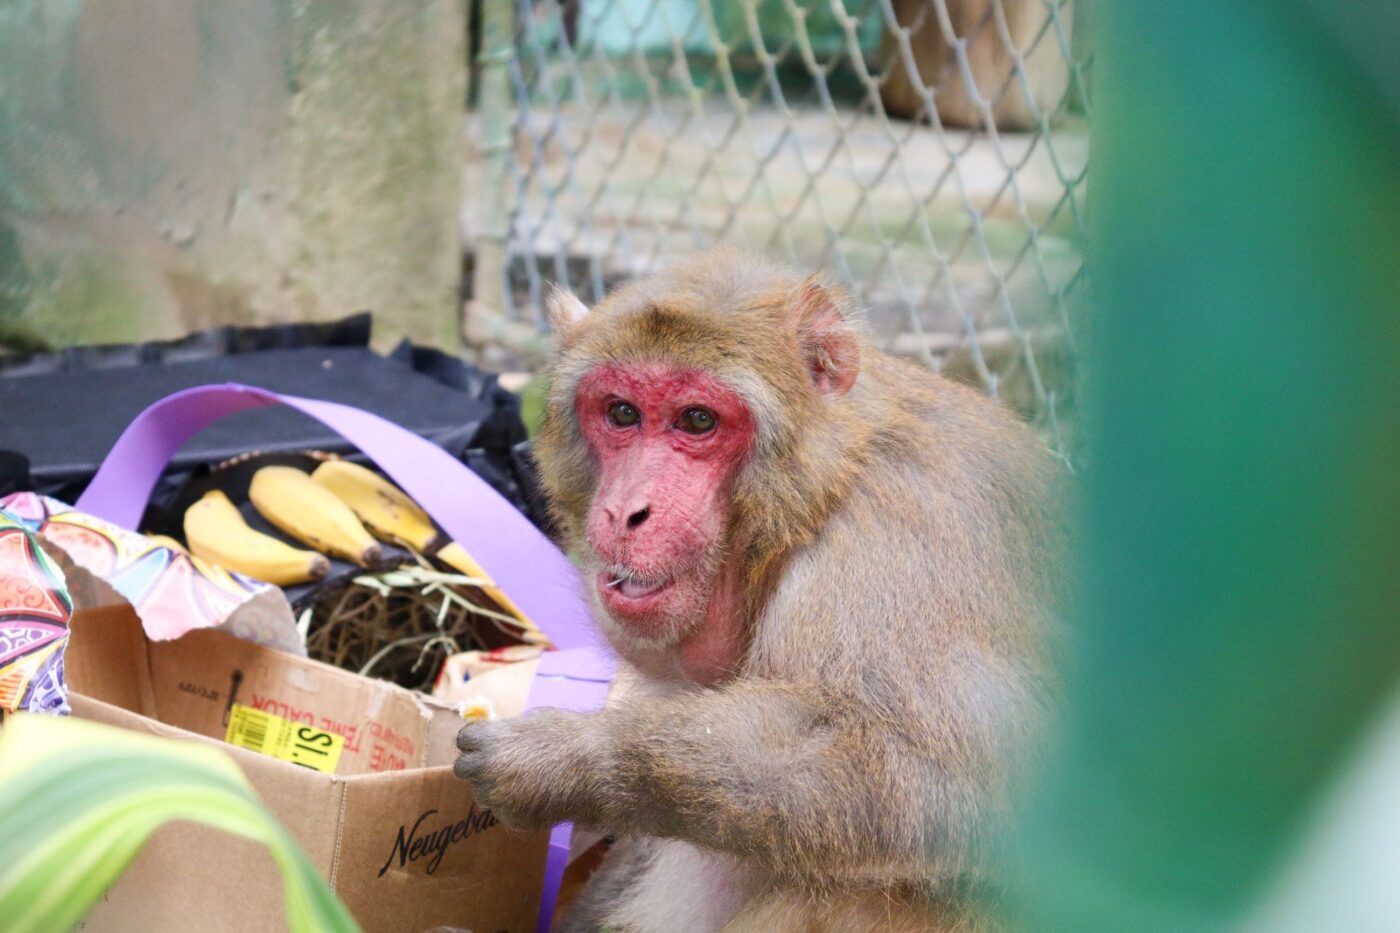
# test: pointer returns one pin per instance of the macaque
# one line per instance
(1017, 99)
(828, 576)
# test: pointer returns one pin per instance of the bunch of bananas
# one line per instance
(339, 509)
(298, 505)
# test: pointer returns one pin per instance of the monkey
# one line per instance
(1032, 35)
(829, 578)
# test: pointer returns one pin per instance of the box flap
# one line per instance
(106, 658)
(192, 683)
(197, 678)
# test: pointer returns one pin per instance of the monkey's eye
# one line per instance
(696, 421)
(623, 415)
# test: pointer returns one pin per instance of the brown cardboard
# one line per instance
(399, 839)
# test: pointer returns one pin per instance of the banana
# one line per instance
(386, 510)
(218, 534)
(392, 516)
(312, 514)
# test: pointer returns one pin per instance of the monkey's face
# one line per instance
(666, 445)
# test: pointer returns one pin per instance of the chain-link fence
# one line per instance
(930, 152)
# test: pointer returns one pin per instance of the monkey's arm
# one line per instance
(810, 783)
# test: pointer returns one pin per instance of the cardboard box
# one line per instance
(358, 770)
(398, 837)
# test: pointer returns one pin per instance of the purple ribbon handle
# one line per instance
(575, 679)
(519, 558)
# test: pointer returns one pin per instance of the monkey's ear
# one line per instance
(827, 340)
(564, 309)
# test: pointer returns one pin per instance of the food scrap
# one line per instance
(477, 709)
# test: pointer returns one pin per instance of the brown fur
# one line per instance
(936, 77)
(897, 543)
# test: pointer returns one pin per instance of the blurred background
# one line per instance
(172, 165)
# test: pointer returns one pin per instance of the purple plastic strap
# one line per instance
(521, 560)
(556, 862)
(576, 679)
(575, 672)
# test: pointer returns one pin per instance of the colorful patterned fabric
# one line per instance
(171, 591)
(34, 613)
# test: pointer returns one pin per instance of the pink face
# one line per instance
(667, 444)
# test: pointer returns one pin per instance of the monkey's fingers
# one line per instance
(479, 738)
(471, 736)
(478, 743)
(471, 768)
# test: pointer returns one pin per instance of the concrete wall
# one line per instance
(173, 164)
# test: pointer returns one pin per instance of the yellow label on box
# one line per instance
(296, 742)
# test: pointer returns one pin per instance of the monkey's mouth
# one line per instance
(618, 581)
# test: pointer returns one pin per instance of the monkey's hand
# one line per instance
(528, 771)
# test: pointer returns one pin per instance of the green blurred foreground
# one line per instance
(1239, 630)
(80, 799)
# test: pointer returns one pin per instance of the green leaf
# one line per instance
(81, 799)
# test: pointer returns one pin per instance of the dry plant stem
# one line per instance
(396, 624)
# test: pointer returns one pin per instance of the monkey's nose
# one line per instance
(639, 516)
